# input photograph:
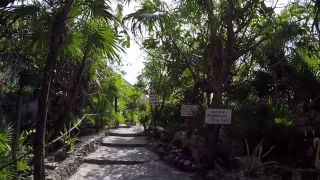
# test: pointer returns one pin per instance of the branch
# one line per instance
(245, 51)
(274, 64)
(185, 57)
(79, 121)
(244, 25)
(312, 102)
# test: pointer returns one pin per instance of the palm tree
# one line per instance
(57, 34)
(55, 19)
(96, 38)
(99, 39)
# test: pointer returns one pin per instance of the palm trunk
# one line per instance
(17, 130)
(39, 141)
(72, 96)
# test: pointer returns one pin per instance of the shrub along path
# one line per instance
(123, 156)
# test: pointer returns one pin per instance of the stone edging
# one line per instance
(71, 164)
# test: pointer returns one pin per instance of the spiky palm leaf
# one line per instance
(72, 44)
(151, 14)
(97, 9)
(12, 13)
(101, 37)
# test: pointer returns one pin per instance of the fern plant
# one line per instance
(6, 136)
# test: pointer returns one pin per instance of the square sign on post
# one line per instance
(218, 116)
(188, 110)
(153, 99)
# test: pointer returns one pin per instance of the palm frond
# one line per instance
(40, 40)
(13, 13)
(102, 37)
(72, 44)
(149, 15)
(99, 9)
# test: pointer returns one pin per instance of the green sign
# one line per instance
(28, 79)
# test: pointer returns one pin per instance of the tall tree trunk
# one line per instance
(58, 31)
(71, 96)
(116, 104)
(213, 129)
(222, 61)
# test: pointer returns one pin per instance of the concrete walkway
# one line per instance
(123, 156)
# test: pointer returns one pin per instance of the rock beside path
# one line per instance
(70, 165)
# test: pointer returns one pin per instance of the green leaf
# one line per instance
(22, 166)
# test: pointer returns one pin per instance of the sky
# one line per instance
(134, 57)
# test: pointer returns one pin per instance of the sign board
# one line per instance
(218, 116)
(27, 79)
(153, 99)
(188, 110)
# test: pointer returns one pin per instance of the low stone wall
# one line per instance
(175, 156)
(71, 164)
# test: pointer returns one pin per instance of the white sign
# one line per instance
(218, 116)
(153, 99)
(188, 110)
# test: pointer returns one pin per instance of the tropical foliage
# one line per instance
(6, 137)
(249, 56)
(74, 48)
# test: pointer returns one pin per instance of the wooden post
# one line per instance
(17, 128)
(154, 122)
(189, 126)
(153, 100)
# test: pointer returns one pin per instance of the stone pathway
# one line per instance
(123, 156)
